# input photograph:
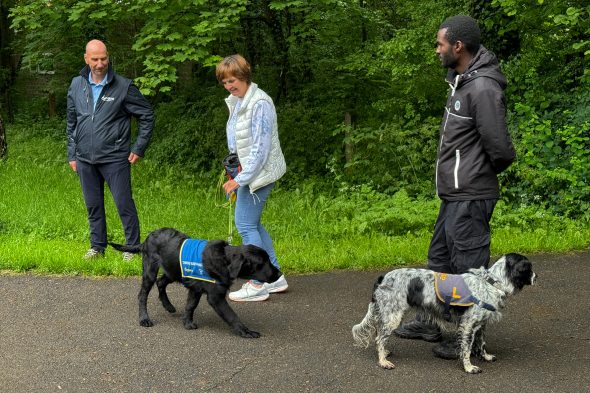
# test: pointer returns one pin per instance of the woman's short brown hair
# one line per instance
(236, 66)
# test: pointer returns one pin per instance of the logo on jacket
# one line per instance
(457, 105)
(109, 99)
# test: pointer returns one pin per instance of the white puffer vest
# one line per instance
(275, 166)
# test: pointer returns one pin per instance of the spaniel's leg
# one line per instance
(466, 337)
(479, 346)
(387, 325)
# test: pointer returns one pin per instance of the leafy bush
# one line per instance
(554, 160)
(190, 135)
(306, 140)
(361, 210)
(391, 158)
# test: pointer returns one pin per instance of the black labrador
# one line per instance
(223, 262)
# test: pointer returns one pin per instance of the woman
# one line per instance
(252, 133)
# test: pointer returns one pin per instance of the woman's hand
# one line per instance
(230, 186)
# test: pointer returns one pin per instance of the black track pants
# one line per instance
(461, 238)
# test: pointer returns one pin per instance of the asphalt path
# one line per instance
(74, 334)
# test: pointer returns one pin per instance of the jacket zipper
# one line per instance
(456, 171)
(442, 137)
(88, 89)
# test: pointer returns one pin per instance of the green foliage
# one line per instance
(180, 31)
(553, 42)
(390, 158)
(362, 210)
(170, 33)
(48, 33)
(403, 61)
(358, 88)
(306, 141)
(549, 96)
(554, 164)
(189, 135)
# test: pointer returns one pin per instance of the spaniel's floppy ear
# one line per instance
(520, 270)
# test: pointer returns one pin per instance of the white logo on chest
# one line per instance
(109, 99)
(457, 105)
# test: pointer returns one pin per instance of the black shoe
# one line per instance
(448, 349)
(418, 330)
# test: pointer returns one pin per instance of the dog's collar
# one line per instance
(493, 282)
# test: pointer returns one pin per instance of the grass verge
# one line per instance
(43, 227)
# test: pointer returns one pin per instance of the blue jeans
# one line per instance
(248, 213)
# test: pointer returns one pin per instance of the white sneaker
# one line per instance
(128, 257)
(93, 253)
(278, 286)
(250, 292)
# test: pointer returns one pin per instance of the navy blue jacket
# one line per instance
(103, 134)
(474, 141)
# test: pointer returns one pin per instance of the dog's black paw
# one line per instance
(247, 333)
(190, 325)
(146, 322)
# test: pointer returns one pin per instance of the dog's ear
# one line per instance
(236, 261)
(215, 261)
(520, 270)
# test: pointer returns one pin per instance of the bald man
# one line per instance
(100, 106)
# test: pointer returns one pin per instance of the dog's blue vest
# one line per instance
(191, 260)
(452, 290)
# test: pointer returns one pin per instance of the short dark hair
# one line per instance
(462, 28)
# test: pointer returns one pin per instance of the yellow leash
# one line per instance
(219, 195)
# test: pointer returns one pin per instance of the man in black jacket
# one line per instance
(99, 109)
(474, 147)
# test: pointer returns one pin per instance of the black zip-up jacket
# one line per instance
(474, 141)
(103, 134)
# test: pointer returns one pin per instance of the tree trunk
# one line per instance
(348, 147)
(249, 26)
(7, 65)
(52, 105)
(273, 21)
(3, 144)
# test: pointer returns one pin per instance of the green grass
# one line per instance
(43, 227)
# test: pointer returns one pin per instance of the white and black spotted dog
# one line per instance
(404, 289)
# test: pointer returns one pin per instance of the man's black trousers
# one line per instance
(117, 175)
(461, 238)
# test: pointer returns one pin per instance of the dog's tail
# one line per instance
(132, 249)
(364, 333)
